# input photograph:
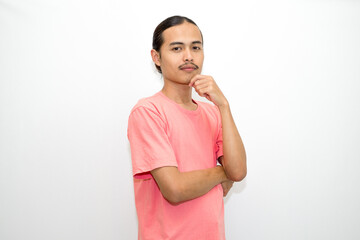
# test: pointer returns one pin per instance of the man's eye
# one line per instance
(176, 49)
(196, 48)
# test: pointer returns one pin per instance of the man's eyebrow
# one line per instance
(176, 43)
(181, 43)
(196, 42)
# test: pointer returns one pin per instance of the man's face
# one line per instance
(181, 55)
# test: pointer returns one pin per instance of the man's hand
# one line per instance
(206, 86)
(226, 186)
(234, 160)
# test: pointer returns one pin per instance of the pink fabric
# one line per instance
(162, 133)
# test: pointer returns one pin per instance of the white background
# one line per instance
(70, 71)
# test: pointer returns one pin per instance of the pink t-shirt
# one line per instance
(162, 133)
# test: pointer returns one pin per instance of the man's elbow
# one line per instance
(237, 176)
(172, 199)
(173, 195)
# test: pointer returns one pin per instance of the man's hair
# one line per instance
(158, 39)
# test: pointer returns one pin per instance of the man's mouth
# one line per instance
(188, 67)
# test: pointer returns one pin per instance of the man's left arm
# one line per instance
(234, 156)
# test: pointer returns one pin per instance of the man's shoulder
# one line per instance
(147, 103)
(210, 111)
(206, 104)
(209, 107)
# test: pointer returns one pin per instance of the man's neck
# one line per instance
(179, 93)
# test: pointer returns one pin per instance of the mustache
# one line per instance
(189, 63)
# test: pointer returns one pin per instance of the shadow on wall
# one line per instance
(237, 188)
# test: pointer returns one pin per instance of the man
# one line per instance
(176, 143)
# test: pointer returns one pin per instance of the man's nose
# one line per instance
(188, 56)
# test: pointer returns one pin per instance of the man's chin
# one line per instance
(191, 75)
(183, 79)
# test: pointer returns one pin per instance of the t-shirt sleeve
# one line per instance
(149, 143)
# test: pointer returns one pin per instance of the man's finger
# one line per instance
(195, 78)
(200, 86)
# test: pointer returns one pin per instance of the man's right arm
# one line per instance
(178, 186)
(147, 134)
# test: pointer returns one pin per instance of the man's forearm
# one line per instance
(178, 187)
(234, 158)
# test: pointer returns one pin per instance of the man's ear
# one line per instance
(155, 55)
